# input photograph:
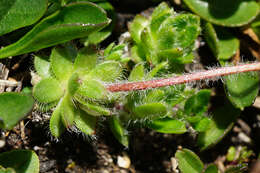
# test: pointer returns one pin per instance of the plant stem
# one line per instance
(208, 74)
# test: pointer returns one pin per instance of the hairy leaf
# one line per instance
(85, 123)
(118, 130)
(168, 125)
(188, 162)
(48, 90)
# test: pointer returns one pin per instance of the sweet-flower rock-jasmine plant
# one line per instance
(81, 86)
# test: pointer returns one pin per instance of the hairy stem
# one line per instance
(208, 74)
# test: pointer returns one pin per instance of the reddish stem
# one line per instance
(223, 71)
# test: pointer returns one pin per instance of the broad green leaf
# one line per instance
(42, 66)
(62, 61)
(168, 125)
(242, 89)
(86, 60)
(22, 161)
(86, 123)
(149, 110)
(222, 121)
(56, 124)
(16, 14)
(137, 26)
(202, 125)
(67, 110)
(108, 71)
(198, 103)
(226, 13)
(212, 168)
(48, 90)
(119, 131)
(13, 108)
(92, 89)
(137, 74)
(222, 43)
(72, 21)
(188, 162)
(99, 36)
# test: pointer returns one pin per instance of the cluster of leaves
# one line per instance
(73, 81)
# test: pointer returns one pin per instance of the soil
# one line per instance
(148, 152)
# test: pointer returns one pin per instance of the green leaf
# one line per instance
(179, 32)
(242, 89)
(231, 155)
(150, 110)
(99, 36)
(202, 125)
(156, 69)
(69, 23)
(16, 14)
(168, 125)
(67, 111)
(22, 161)
(56, 124)
(137, 26)
(86, 60)
(198, 103)
(156, 95)
(188, 162)
(47, 90)
(119, 131)
(222, 121)
(13, 108)
(86, 123)
(42, 66)
(222, 43)
(137, 74)
(212, 168)
(108, 71)
(62, 61)
(92, 89)
(94, 110)
(160, 13)
(226, 13)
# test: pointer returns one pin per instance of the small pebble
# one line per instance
(123, 162)
(2, 143)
